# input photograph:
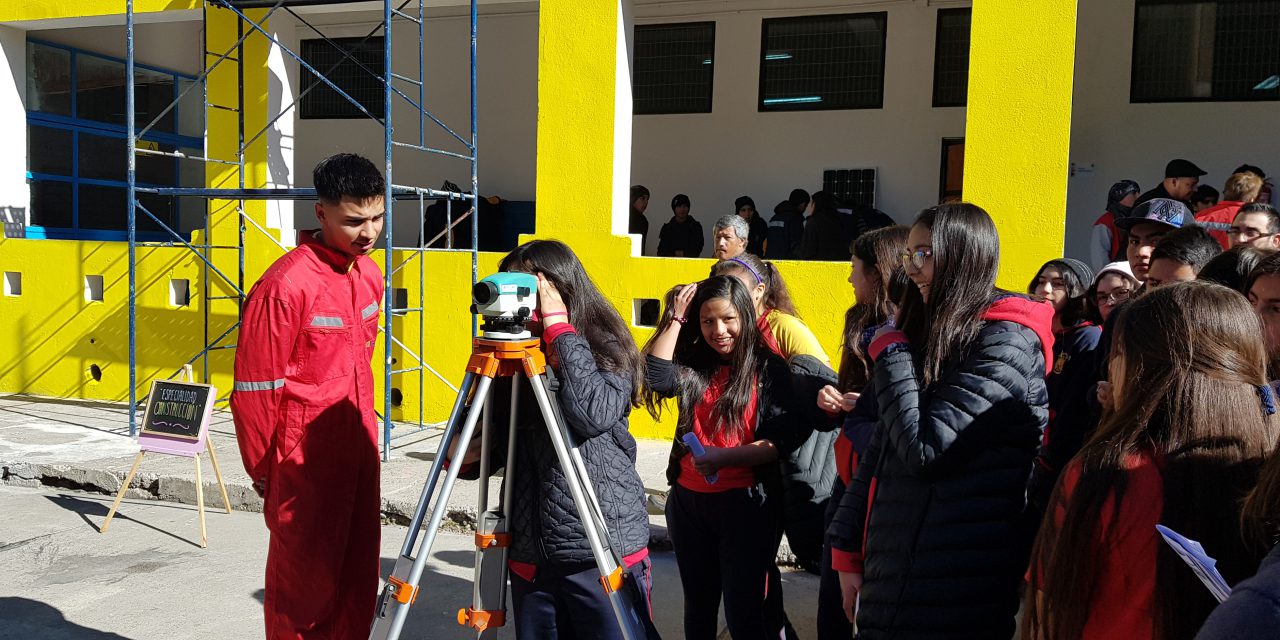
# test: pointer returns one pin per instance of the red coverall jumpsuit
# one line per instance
(303, 408)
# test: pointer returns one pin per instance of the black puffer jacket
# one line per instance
(947, 542)
(779, 417)
(596, 406)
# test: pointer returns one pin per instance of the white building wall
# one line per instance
(737, 150)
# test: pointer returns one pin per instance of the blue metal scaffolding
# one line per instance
(395, 193)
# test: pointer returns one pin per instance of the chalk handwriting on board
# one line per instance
(177, 409)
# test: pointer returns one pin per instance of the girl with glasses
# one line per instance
(1112, 287)
(962, 400)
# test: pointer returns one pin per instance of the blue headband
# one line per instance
(748, 268)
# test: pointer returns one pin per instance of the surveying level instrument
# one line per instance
(506, 349)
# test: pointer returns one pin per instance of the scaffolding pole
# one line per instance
(243, 193)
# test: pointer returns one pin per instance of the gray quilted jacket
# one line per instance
(596, 405)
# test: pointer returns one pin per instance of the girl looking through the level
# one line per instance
(555, 588)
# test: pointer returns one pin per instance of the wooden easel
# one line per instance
(204, 443)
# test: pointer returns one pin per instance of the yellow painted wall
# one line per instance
(1018, 129)
(16, 10)
(49, 337)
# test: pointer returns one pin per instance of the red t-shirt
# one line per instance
(1122, 600)
(730, 477)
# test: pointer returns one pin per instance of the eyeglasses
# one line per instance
(1115, 296)
(916, 259)
(1247, 232)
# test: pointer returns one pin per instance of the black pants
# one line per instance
(724, 544)
(832, 623)
(568, 602)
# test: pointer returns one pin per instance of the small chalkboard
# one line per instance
(177, 409)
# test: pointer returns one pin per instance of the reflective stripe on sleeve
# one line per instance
(369, 311)
(259, 386)
(326, 321)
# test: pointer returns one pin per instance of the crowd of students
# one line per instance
(977, 453)
(803, 227)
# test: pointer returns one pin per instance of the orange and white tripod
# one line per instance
(490, 359)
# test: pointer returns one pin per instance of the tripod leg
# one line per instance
(607, 559)
(493, 539)
(402, 586)
(123, 488)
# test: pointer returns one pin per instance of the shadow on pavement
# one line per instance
(85, 508)
(31, 619)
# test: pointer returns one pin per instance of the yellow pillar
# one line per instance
(1018, 133)
(584, 151)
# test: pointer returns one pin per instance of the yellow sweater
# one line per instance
(793, 337)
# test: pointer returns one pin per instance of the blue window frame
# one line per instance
(77, 144)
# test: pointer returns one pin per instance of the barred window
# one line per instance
(951, 58)
(355, 65)
(813, 63)
(1207, 50)
(673, 68)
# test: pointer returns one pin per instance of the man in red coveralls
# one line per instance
(303, 407)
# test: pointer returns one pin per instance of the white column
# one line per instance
(15, 197)
(282, 90)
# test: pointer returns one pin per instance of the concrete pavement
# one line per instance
(147, 577)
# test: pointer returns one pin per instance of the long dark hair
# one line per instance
(1079, 304)
(966, 256)
(1193, 362)
(593, 317)
(776, 294)
(697, 362)
(878, 250)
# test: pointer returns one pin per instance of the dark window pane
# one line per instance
(951, 58)
(48, 79)
(157, 170)
(823, 62)
(103, 208)
(51, 204)
(1208, 50)
(100, 89)
(49, 150)
(673, 68)
(362, 84)
(161, 207)
(153, 92)
(103, 158)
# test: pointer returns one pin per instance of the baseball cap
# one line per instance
(1163, 210)
(680, 199)
(1180, 168)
